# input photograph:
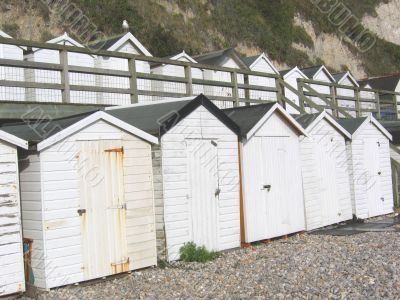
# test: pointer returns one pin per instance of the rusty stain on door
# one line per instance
(103, 208)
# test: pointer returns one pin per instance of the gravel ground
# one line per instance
(363, 266)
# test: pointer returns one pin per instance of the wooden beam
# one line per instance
(247, 91)
(378, 105)
(235, 90)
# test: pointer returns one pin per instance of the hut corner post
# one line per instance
(242, 217)
(189, 80)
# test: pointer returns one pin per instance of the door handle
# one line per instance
(81, 212)
(379, 173)
(217, 192)
(267, 187)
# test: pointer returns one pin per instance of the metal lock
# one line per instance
(81, 212)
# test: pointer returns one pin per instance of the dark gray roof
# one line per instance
(250, 60)
(338, 76)
(35, 131)
(248, 116)
(311, 71)
(216, 58)
(388, 83)
(105, 44)
(351, 125)
(306, 119)
(284, 72)
(158, 118)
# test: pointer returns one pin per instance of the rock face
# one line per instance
(387, 22)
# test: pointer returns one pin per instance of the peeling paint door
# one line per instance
(103, 208)
(203, 192)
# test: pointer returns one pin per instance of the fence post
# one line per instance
(378, 105)
(279, 93)
(396, 111)
(301, 93)
(66, 92)
(133, 81)
(189, 80)
(235, 90)
(334, 101)
(247, 90)
(358, 106)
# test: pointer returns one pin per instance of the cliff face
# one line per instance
(291, 32)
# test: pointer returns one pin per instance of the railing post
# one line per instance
(247, 90)
(279, 92)
(378, 105)
(235, 90)
(358, 105)
(396, 110)
(66, 92)
(189, 80)
(301, 93)
(334, 101)
(133, 80)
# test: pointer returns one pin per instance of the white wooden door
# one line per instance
(327, 182)
(103, 208)
(281, 187)
(203, 192)
(373, 177)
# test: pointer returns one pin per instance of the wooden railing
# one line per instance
(237, 88)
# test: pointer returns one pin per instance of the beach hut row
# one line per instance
(112, 191)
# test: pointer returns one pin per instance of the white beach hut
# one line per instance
(11, 250)
(369, 161)
(261, 63)
(273, 203)
(322, 74)
(346, 79)
(196, 172)
(290, 77)
(177, 71)
(125, 43)
(11, 73)
(326, 175)
(54, 77)
(87, 198)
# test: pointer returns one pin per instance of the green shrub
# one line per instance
(190, 252)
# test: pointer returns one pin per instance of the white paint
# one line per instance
(177, 178)
(44, 76)
(176, 71)
(291, 79)
(51, 196)
(264, 65)
(11, 253)
(367, 105)
(326, 175)
(11, 73)
(348, 80)
(126, 44)
(371, 174)
(271, 180)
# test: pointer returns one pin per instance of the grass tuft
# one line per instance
(190, 252)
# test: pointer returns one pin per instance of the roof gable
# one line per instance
(251, 118)
(252, 63)
(218, 58)
(158, 118)
(183, 56)
(287, 73)
(341, 77)
(12, 139)
(313, 72)
(355, 126)
(309, 121)
(388, 83)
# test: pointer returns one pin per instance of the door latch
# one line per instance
(122, 206)
(379, 173)
(217, 192)
(267, 187)
(383, 199)
(81, 212)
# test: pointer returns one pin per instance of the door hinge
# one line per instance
(267, 187)
(115, 150)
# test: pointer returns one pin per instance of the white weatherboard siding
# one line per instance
(369, 154)
(291, 79)
(263, 66)
(45, 76)
(346, 93)
(179, 183)
(175, 87)
(12, 74)
(321, 89)
(63, 232)
(326, 177)
(272, 157)
(11, 255)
